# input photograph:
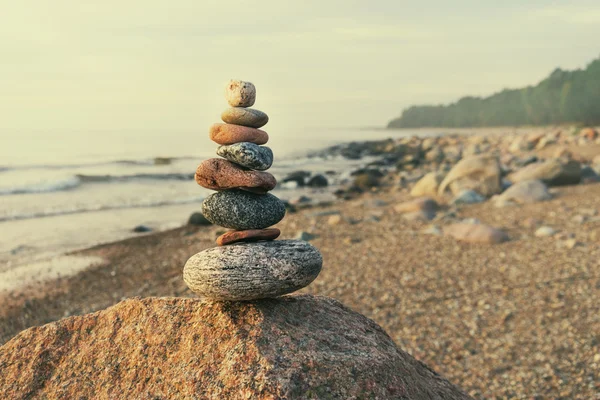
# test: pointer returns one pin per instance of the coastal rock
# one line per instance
(479, 173)
(175, 348)
(523, 193)
(240, 94)
(245, 117)
(475, 233)
(226, 134)
(468, 197)
(219, 174)
(423, 215)
(198, 219)
(552, 172)
(318, 181)
(427, 185)
(142, 229)
(248, 155)
(240, 210)
(297, 176)
(421, 204)
(251, 235)
(252, 271)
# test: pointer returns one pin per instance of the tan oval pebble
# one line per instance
(240, 94)
(226, 134)
(245, 117)
(251, 235)
(220, 174)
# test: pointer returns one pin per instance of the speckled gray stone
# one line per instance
(248, 155)
(245, 117)
(241, 210)
(250, 271)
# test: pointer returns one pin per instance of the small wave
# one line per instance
(141, 162)
(93, 208)
(125, 178)
(66, 184)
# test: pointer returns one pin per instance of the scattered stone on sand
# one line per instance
(571, 243)
(241, 210)
(552, 172)
(318, 181)
(175, 348)
(297, 176)
(523, 193)
(220, 174)
(428, 185)
(432, 230)
(248, 155)
(421, 215)
(250, 235)
(334, 220)
(305, 236)
(142, 229)
(468, 196)
(545, 231)
(248, 271)
(240, 94)
(198, 219)
(366, 181)
(249, 117)
(420, 204)
(480, 173)
(475, 233)
(227, 134)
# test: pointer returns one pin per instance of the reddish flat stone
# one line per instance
(220, 174)
(226, 134)
(251, 235)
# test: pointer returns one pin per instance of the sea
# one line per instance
(70, 190)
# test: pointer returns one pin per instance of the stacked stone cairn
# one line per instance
(248, 263)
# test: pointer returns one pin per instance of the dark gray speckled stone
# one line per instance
(250, 271)
(241, 210)
(248, 155)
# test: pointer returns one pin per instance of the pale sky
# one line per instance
(117, 65)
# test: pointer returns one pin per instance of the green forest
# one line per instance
(563, 97)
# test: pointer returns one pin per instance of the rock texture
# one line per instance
(219, 174)
(475, 233)
(428, 185)
(248, 155)
(252, 271)
(296, 347)
(237, 209)
(251, 235)
(226, 134)
(240, 93)
(523, 193)
(481, 174)
(420, 204)
(552, 172)
(245, 117)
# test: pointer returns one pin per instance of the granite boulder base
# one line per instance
(248, 155)
(219, 174)
(245, 117)
(241, 210)
(252, 271)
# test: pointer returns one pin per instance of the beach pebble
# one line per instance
(226, 134)
(250, 235)
(545, 231)
(142, 229)
(468, 197)
(248, 155)
(305, 236)
(245, 117)
(241, 210)
(318, 181)
(475, 233)
(240, 94)
(219, 174)
(420, 204)
(252, 271)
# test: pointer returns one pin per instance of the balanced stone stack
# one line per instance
(248, 263)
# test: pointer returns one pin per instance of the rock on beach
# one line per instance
(252, 271)
(250, 235)
(248, 155)
(245, 116)
(226, 134)
(241, 210)
(240, 93)
(219, 174)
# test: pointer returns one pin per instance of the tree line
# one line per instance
(563, 97)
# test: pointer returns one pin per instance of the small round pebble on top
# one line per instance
(240, 94)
